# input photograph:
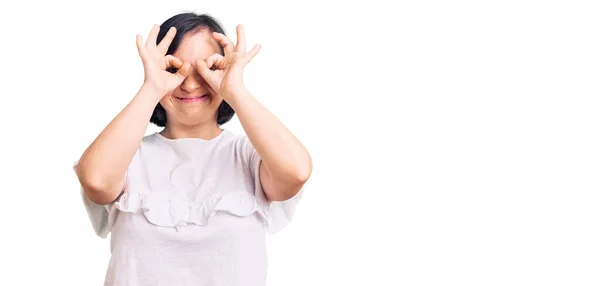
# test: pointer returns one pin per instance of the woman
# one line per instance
(191, 205)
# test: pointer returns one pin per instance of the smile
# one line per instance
(192, 99)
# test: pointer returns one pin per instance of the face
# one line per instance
(193, 102)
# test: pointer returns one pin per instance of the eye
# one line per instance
(172, 70)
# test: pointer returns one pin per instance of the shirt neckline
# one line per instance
(221, 134)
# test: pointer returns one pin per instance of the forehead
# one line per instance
(197, 46)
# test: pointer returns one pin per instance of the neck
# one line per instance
(205, 131)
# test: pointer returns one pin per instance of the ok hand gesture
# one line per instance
(156, 64)
(224, 74)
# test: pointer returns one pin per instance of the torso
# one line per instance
(188, 217)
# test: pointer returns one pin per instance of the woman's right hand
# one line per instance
(157, 64)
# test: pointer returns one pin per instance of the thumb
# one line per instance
(185, 70)
(203, 69)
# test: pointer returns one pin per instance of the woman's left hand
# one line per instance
(225, 74)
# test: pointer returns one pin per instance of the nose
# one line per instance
(193, 82)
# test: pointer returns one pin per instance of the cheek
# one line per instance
(216, 103)
(216, 99)
(166, 101)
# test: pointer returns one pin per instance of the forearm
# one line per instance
(284, 157)
(103, 165)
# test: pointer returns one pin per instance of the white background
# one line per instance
(454, 142)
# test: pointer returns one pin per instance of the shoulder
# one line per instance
(236, 142)
(151, 138)
(238, 147)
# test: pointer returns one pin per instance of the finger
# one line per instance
(152, 36)
(185, 70)
(241, 40)
(173, 62)
(167, 40)
(224, 41)
(215, 61)
(140, 44)
(203, 69)
(252, 53)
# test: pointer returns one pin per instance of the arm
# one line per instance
(286, 165)
(102, 166)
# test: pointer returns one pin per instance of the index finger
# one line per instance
(151, 41)
(241, 40)
(224, 41)
(166, 41)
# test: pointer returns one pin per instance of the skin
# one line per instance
(286, 164)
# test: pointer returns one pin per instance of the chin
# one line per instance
(192, 116)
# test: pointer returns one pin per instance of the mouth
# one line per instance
(193, 98)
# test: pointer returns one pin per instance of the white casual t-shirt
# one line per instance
(193, 213)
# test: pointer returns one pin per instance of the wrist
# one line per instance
(151, 91)
(236, 95)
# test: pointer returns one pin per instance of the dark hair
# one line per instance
(186, 23)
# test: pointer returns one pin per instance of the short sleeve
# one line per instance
(97, 214)
(278, 213)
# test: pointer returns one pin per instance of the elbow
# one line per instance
(100, 195)
(304, 175)
(97, 189)
(282, 190)
(303, 172)
(290, 187)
